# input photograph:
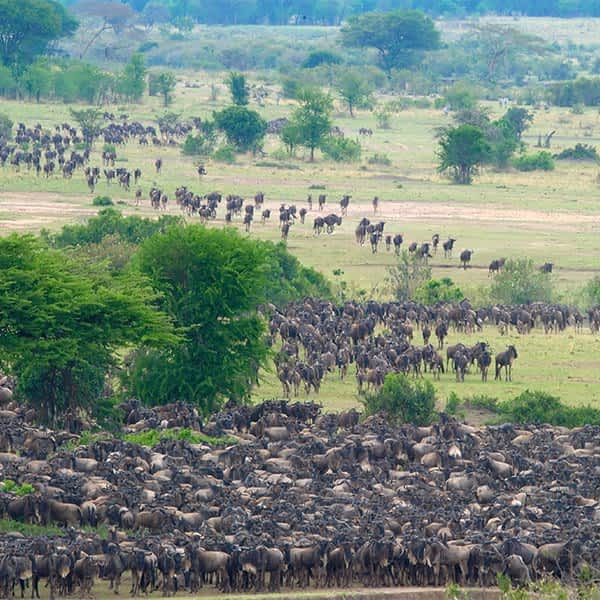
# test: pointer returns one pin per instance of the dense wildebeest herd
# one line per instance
(314, 339)
(296, 498)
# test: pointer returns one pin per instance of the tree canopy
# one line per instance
(399, 37)
(244, 128)
(61, 322)
(462, 149)
(212, 282)
(28, 26)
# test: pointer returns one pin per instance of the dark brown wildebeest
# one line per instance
(465, 257)
(505, 359)
(374, 240)
(331, 221)
(447, 246)
(375, 204)
(441, 331)
(547, 267)
(398, 239)
(136, 175)
(318, 225)
(285, 230)
(344, 203)
(388, 242)
(435, 240)
(266, 214)
(309, 201)
(302, 212)
(158, 164)
(248, 221)
(496, 265)
(483, 362)
(322, 201)
(201, 170)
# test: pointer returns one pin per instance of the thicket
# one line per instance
(539, 161)
(579, 152)
(404, 400)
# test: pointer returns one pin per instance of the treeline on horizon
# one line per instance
(333, 12)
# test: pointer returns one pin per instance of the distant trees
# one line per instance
(27, 27)
(238, 88)
(6, 125)
(400, 37)
(461, 151)
(520, 282)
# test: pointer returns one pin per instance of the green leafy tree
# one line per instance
(62, 321)
(341, 149)
(400, 37)
(460, 96)
(8, 83)
(291, 136)
(132, 82)
(165, 85)
(520, 282)
(212, 281)
(238, 88)
(27, 27)
(403, 400)
(312, 119)
(354, 90)
(438, 290)
(461, 151)
(90, 120)
(6, 126)
(407, 275)
(36, 80)
(244, 128)
(519, 119)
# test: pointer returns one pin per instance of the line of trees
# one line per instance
(332, 12)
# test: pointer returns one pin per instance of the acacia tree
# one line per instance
(462, 150)
(211, 283)
(90, 120)
(244, 128)
(62, 321)
(132, 81)
(399, 37)
(27, 27)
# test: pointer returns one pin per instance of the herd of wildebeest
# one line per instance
(315, 338)
(292, 497)
(296, 498)
(48, 152)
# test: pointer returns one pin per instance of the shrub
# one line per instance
(438, 290)
(341, 149)
(225, 154)
(460, 96)
(383, 118)
(483, 401)
(520, 282)
(579, 152)
(153, 437)
(380, 159)
(540, 161)
(9, 486)
(291, 88)
(198, 145)
(403, 400)
(102, 201)
(452, 403)
(541, 407)
(321, 57)
(5, 127)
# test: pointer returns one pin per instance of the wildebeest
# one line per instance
(505, 359)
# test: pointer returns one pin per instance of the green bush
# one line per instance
(482, 401)
(380, 159)
(102, 201)
(404, 400)
(579, 152)
(520, 282)
(6, 126)
(9, 486)
(197, 145)
(452, 403)
(225, 154)
(152, 437)
(460, 96)
(383, 118)
(540, 161)
(291, 88)
(438, 290)
(321, 57)
(341, 149)
(541, 407)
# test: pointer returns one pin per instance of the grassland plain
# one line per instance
(551, 216)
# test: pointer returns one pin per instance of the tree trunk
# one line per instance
(312, 154)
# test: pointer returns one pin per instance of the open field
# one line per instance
(548, 217)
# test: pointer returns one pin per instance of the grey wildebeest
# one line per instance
(505, 359)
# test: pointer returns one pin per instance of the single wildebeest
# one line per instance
(505, 359)
(465, 257)
(447, 246)
(547, 267)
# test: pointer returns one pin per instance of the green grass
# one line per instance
(551, 216)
